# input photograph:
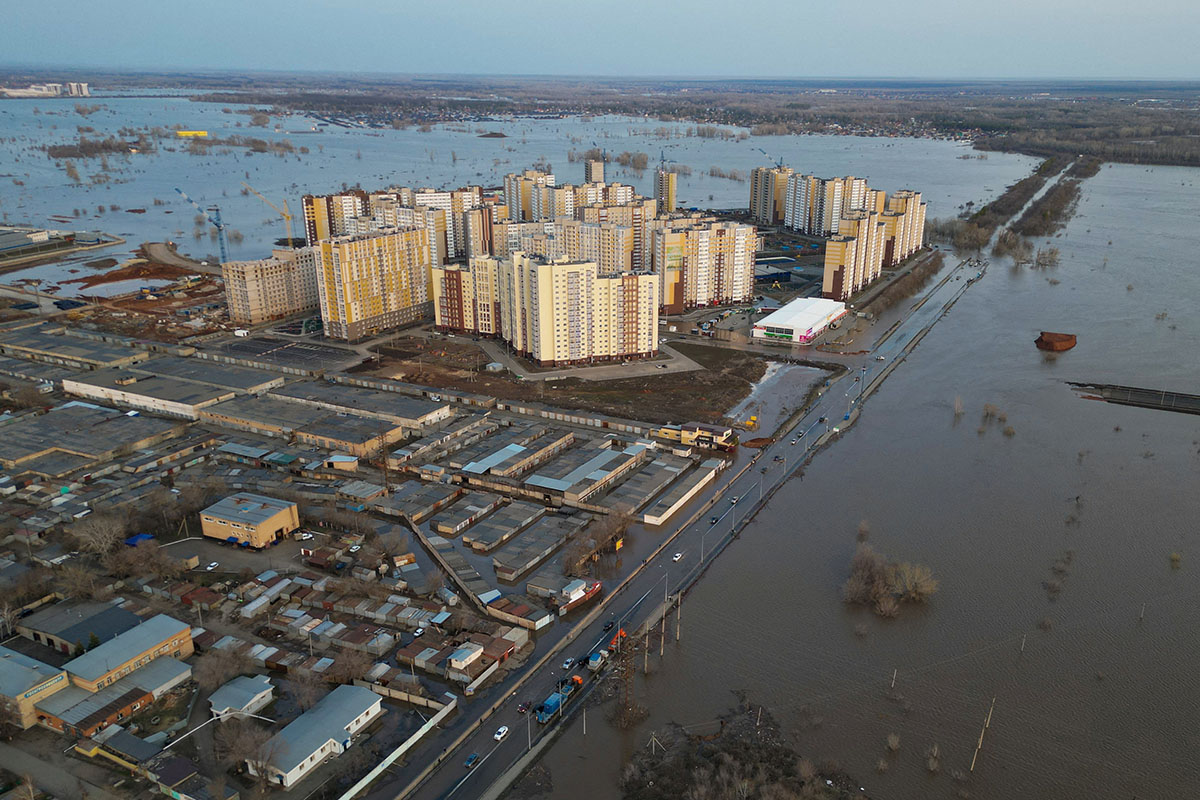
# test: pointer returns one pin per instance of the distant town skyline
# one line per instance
(940, 39)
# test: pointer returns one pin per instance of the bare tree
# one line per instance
(245, 740)
(349, 666)
(99, 533)
(306, 688)
(81, 583)
(217, 667)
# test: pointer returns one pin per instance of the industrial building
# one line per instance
(156, 637)
(250, 520)
(242, 695)
(800, 321)
(25, 681)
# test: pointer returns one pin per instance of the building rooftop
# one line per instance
(397, 407)
(166, 389)
(49, 341)
(75, 435)
(211, 373)
(96, 662)
(247, 508)
(77, 622)
(19, 673)
(239, 692)
(328, 719)
(803, 314)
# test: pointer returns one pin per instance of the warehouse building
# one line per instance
(146, 392)
(25, 681)
(104, 665)
(250, 520)
(800, 321)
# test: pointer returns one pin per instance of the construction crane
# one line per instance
(778, 162)
(285, 213)
(214, 219)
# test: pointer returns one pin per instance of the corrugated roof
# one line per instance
(95, 663)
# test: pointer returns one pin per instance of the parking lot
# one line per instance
(233, 559)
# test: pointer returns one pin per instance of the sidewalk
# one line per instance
(51, 776)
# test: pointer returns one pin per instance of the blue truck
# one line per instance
(550, 707)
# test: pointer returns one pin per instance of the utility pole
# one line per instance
(528, 734)
(646, 653)
(678, 615)
(662, 636)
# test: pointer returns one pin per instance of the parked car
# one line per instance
(471, 761)
(212, 566)
(567, 664)
(418, 633)
(306, 536)
(501, 733)
(355, 548)
(677, 556)
(880, 358)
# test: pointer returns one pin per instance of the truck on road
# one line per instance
(550, 707)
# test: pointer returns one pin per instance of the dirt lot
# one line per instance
(679, 397)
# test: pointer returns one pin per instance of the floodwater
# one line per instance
(35, 190)
(1102, 703)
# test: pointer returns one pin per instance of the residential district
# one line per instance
(231, 558)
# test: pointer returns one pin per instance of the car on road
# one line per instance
(471, 761)
(763, 470)
(212, 566)
(778, 458)
(714, 520)
(567, 664)
(418, 633)
(501, 733)
(608, 626)
(524, 707)
(794, 441)
(677, 556)
(822, 420)
(733, 500)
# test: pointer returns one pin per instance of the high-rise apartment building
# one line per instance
(664, 190)
(518, 190)
(553, 312)
(271, 288)
(704, 263)
(330, 215)
(593, 171)
(611, 246)
(905, 220)
(551, 202)
(372, 282)
(815, 205)
(605, 194)
(478, 231)
(465, 296)
(636, 215)
(388, 212)
(853, 257)
(768, 194)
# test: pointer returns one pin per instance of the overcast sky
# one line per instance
(770, 38)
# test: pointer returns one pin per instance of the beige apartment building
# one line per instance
(611, 246)
(271, 288)
(465, 296)
(905, 218)
(768, 194)
(665, 183)
(605, 194)
(700, 263)
(326, 216)
(636, 215)
(390, 212)
(373, 282)
(553, 312)
(593, 171)
(559, 313)
(854, 257)
(518, 191)
(815, 205)
(551, 202)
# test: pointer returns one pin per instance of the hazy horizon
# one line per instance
(759, 39)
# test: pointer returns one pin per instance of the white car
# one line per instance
(212, 566)
(306, 536)
(567, 664)
(501, 733)
(677, 556)
(355, 548)
(418, 633)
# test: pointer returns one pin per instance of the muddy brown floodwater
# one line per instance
(1101, 703)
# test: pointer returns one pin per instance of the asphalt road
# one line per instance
(662, 576)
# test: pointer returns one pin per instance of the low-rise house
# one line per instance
(326, 729)
(242, 695)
